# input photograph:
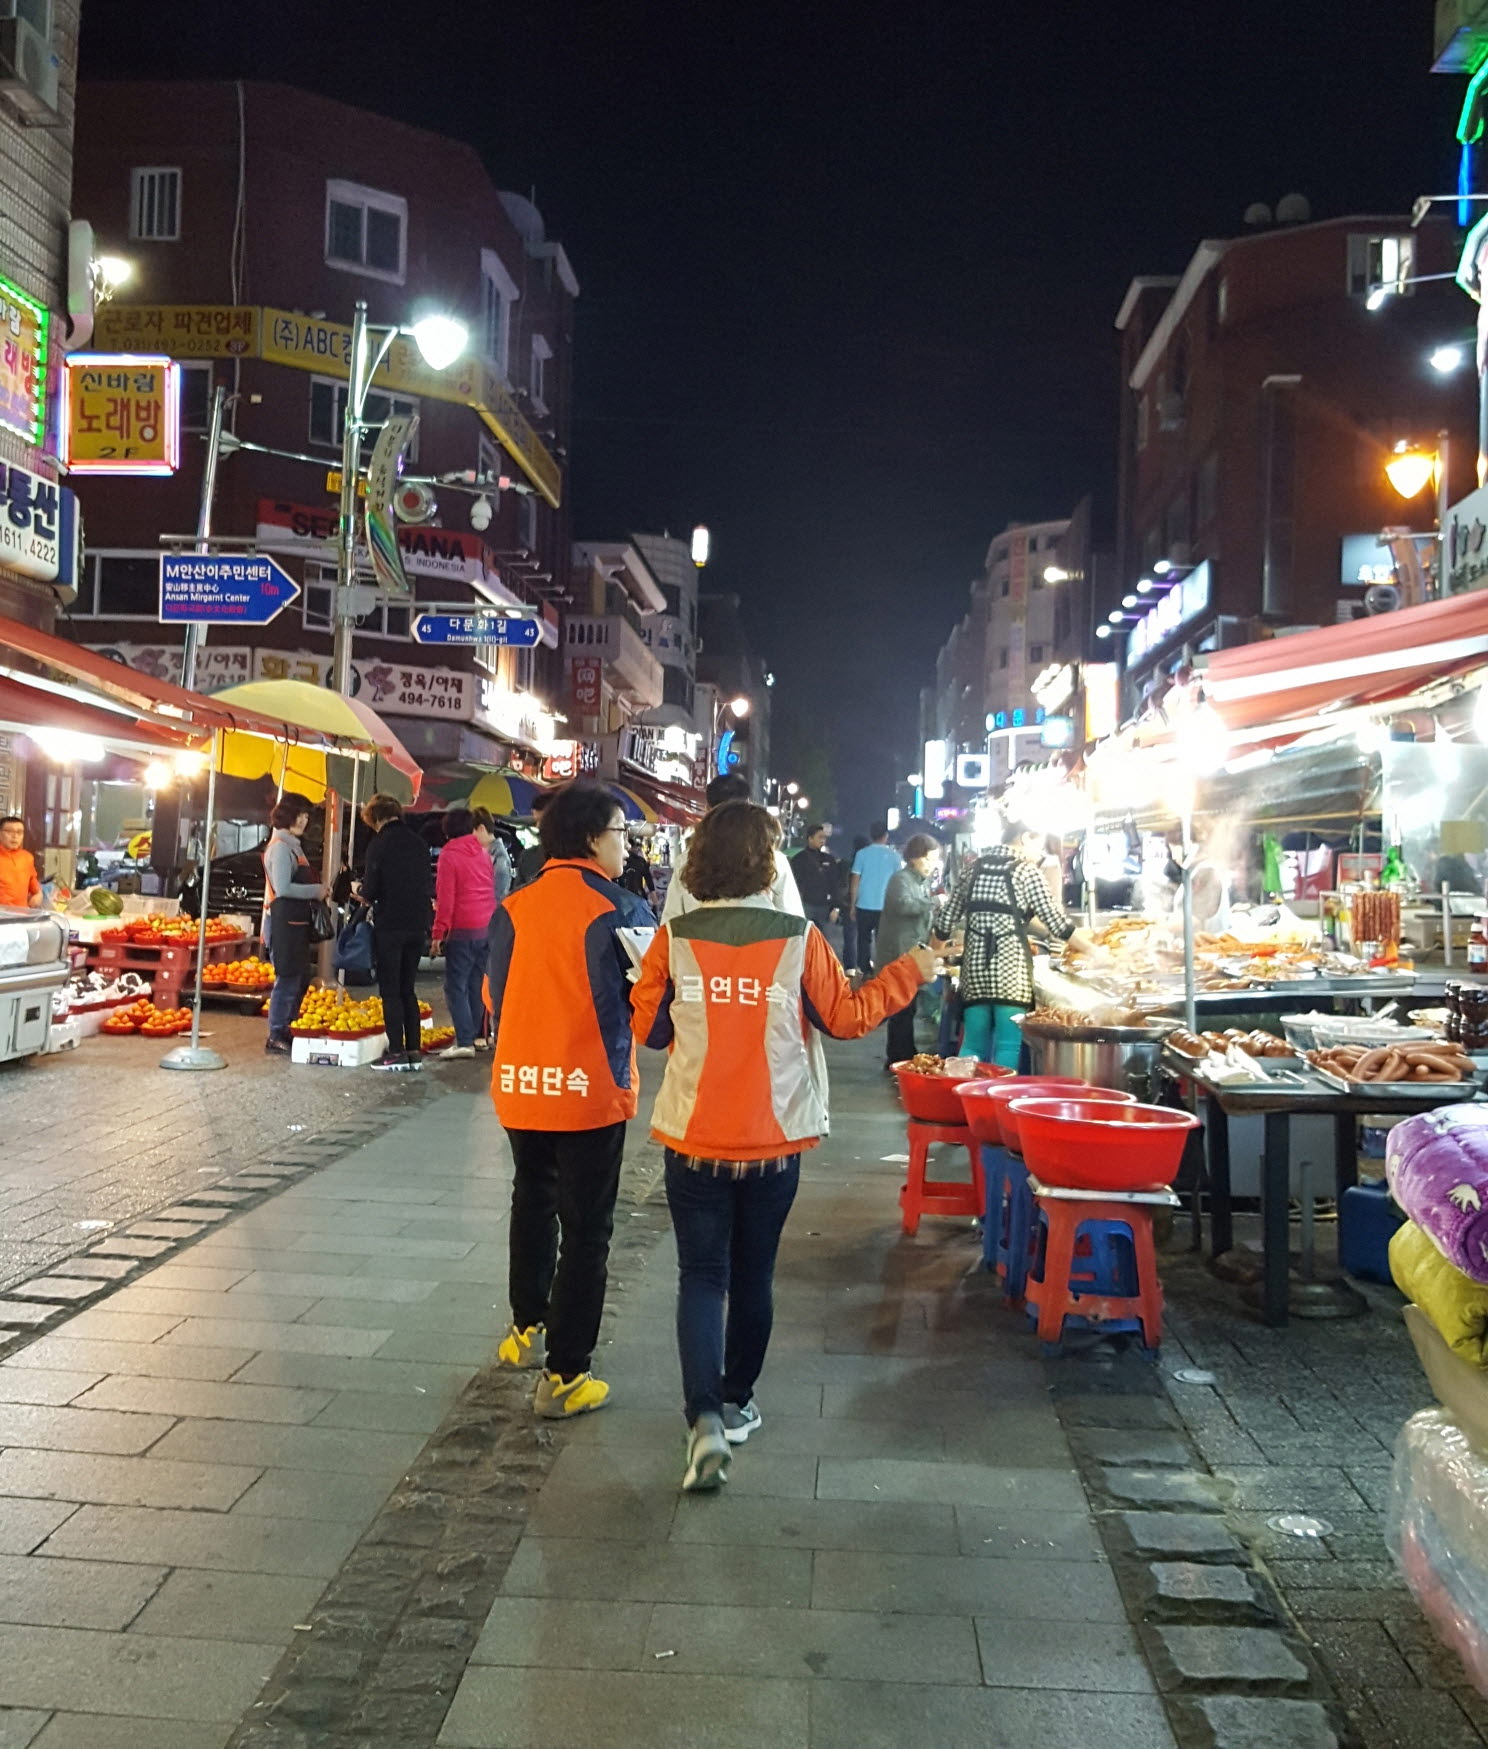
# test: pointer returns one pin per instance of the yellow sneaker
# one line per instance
(558, 1398)
(522, 1348)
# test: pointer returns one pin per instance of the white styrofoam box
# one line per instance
(64, 1035)
(338, 1053)
(146, 905)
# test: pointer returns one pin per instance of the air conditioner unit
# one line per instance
(30, 71)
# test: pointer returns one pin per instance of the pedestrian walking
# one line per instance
(995, 900)
(818, 877)
(849, 916)
(289, 891)
(398, 883)
(563, 1082)
(464, 899)
(529, 863)
(872, 869)
(908, 908)
(636, 876)
(783, 892)
(733, 988)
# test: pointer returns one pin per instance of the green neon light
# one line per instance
(1469, 119)
(34, 430)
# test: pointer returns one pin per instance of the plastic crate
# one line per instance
(1367, 1219)
(338, 1053)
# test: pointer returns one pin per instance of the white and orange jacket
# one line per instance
(735, 988)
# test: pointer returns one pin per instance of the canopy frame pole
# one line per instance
(196, 1055)
(1190, 994)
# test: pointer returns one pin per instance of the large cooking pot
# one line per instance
(1119, 1057)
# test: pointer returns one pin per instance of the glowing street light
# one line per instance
(701, 542)
(1410, 470)
(739, 706)
(793, 789)
(441, 339)
(1162, 567)
(1446, 359)
(1056, 574)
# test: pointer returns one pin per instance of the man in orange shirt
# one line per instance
(20, 886)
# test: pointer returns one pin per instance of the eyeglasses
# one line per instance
(614, 828)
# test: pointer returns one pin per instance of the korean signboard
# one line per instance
(570, 759)
(584, 684)
(217, 665)
(1467, 543)
(179, 330)
(414, 689)
(669, 753)
(38, 527)
(121, 413)
(1184, 603)
(24, 325)
(451, 553)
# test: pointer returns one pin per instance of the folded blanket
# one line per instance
(1437, 1164)
(1458, 1307)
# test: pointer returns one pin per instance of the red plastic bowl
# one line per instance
(1085, 1143)
(932, 1098)
(983, 1102)
(1010, 1120)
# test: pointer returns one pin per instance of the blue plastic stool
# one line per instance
(1008, 1228)
(1105, 1267)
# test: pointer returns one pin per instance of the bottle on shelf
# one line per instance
(1477, 947)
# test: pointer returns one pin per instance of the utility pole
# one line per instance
(196, 632)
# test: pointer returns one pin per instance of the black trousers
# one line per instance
(398, 953)
(901, 1040)
(563, 1213)
(867, 943)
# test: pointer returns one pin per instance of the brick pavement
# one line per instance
(267, 1495)
(102, 1135)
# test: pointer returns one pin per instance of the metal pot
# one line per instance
(1120, 1057)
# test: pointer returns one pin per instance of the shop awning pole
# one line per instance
(196, 1055)
(1190, 1003)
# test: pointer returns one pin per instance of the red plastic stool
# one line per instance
(1061, 1297)
(920, 1195)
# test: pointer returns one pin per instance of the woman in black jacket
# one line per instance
(398, 883)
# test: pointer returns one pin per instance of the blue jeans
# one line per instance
(464, 968)
(989, 1034)
(728, 1231)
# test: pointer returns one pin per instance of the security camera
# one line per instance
(480, 514)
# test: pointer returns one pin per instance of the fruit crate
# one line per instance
(319, 1051)
(170, 967)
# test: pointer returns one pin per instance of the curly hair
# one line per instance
(732, 854)
(920, 845)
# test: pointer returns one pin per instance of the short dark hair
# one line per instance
(878, 831)
(380, 807)
(12, 820)
(483, 817)
(732, 854)
(540, 800)
(731, 787)
(815, 827)
(288, 809)
(573, 818)
(920, 845)
(458, 823)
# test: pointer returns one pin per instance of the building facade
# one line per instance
(1263, 391)
(255, 217)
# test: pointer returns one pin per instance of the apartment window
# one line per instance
(1206, 492)
(527, 521)
(1002, 657)
(196, 397)
(1380, 262)
(1222, 302)
(1141, 421)
(1036, 654)
(1005, 588)
(129, 586)
(36, 13)
(316, 604)
(487, 458)
(155, 205)
(366, 230)
(537, 374)
(328, 415)
(499, 293)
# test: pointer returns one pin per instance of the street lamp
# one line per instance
(1446, 359)
(793, 789)
(739, 706)
(1410, 469)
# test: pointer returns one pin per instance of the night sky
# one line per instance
(849, 273)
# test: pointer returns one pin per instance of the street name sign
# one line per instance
(475, 628)
(223, 588)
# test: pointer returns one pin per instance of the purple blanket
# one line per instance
(1437, 1166)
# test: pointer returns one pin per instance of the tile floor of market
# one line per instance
(267, 1494)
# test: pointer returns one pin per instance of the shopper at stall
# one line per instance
(907, 911)
(20, 885)
(397, 882)
(732, 988)
(464, 898)
(819, 878)
(493, 840)
(564, 1085)
(872, 869)
(288, 894)
(783, 893)
(995, 902)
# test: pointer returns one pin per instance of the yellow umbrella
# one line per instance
(336, 730)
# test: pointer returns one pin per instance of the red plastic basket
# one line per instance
(1011, 1121)
(932, 1098)
(1087, 1143)
(983, 1102)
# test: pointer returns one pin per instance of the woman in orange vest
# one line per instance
(734, 987)
(564, 1084)
(20, 887)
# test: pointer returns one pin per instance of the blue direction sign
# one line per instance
(223, 588)
(475, 628)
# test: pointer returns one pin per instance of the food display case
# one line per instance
(33, 963)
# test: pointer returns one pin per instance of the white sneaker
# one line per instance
(457, 1051)
(740, 1420)
(708, 1456)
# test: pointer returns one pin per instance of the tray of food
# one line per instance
(1105, 1025)
(1254, 1044)
(1398, 1068)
